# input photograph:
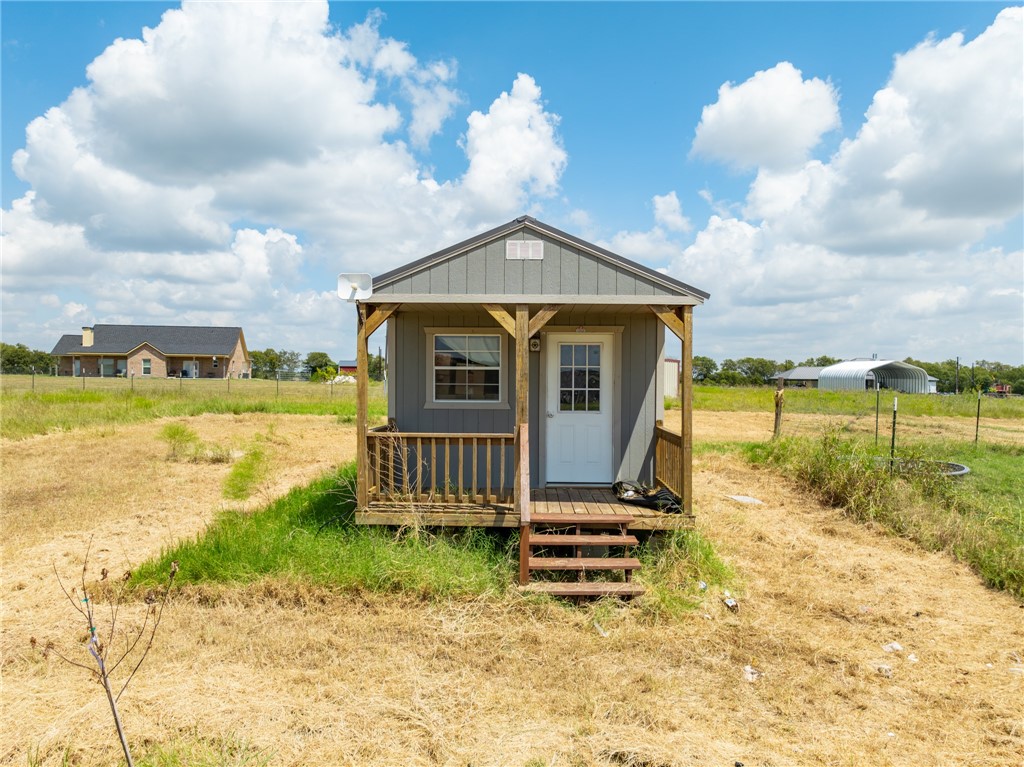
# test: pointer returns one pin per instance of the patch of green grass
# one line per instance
(979, 518)
(58, 404)
(674, 565)
(308, 535)
(754, 399)
(246, 474)
(229, 752)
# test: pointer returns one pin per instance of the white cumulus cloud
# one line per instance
(773, 120)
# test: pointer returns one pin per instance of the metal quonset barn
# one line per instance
(852, 375)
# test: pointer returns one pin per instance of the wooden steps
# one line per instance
(591, 519)
(556, 543)
(584, 589)
(558, 539)
(584, 563)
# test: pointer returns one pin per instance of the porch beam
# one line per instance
(672, 321)
(540, 319)
(502, 317)
(379, 317)
(362, 409)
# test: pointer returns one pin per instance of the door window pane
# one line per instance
(580, 377)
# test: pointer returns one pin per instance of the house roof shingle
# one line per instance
(169, 339)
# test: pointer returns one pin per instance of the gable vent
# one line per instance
(524, 250)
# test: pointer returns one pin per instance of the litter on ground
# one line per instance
(746, 499)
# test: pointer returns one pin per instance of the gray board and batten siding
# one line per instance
(478, 268)
(639, 342)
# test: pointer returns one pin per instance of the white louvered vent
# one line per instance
(524, 250)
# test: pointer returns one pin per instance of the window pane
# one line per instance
(566, 378)
(455, 391)
(492, 377)
(450, 343)
(565, 399)
(594, 354)
(491, 392)
(579, 378)
(579, 400)
(580, 354)
(593, 400)
(566, 353)
(594, 378)
(484, 344)
(485, 358)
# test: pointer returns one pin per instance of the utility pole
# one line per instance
(956, 385)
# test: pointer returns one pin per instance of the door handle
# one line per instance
(550, 414)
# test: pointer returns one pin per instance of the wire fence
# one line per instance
(293, 387)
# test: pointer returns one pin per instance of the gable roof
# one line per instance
(523, 223)
(168, 339)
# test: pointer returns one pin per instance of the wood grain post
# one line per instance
(522, 381)
(686, 480)
(362, 410)
(780, 396)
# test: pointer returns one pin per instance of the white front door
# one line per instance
(579, 403)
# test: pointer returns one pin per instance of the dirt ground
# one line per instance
(311, 677)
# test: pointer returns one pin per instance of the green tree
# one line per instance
(704, 368)
(290, 362)
(18, 358)
(375, 367)
(757, 371)
(265, 364)
(318, 362)
(819, 362)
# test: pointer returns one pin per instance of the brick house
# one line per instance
(156, 351)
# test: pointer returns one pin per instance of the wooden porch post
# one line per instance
(522, 364)
(362, 410)
(686, 481)
(522, 479)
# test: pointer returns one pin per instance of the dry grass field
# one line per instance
(282, 674)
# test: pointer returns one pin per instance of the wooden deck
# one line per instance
(553, 500)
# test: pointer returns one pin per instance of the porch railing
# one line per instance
(668, 458)
(410, 467)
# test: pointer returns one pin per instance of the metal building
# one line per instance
(857, 375)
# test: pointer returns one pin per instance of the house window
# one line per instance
(467, 368)
(214, 363)
(146, 366)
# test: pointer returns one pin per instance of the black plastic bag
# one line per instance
(637, 493)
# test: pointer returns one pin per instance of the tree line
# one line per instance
(317, 366)
(982, 375)
(757, 371)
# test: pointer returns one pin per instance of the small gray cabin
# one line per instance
(524, 376)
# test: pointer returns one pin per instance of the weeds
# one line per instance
(184, 445)
(978, 519)
(246, 474)
(308, 535)
(675, 564)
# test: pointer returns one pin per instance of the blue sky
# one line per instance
(606, 120)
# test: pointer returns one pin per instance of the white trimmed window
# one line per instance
(467, 368)
(147, 366)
